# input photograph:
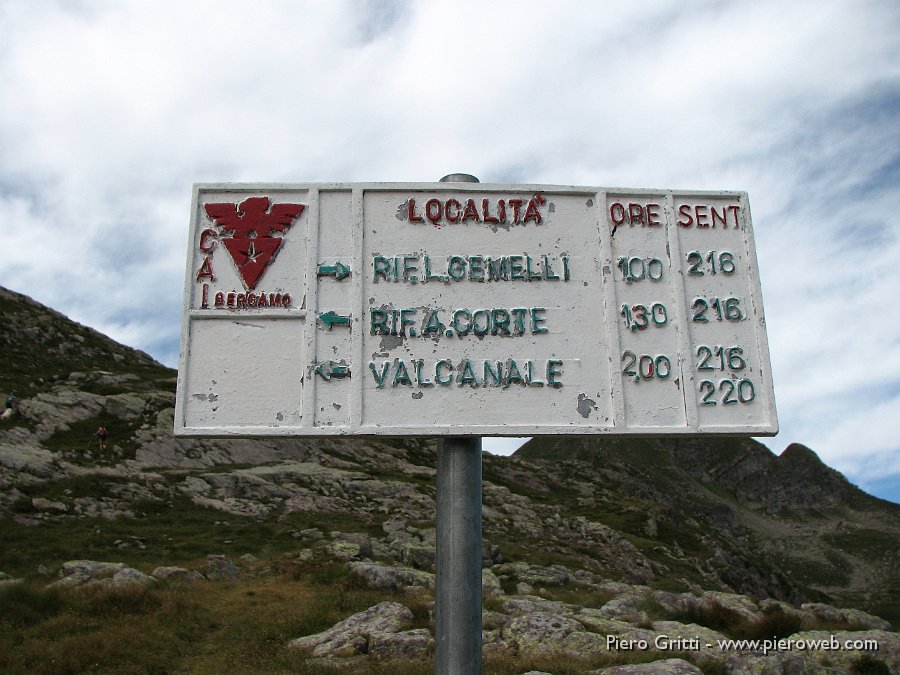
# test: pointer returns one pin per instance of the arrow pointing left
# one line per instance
(331, 369)
(330, 318)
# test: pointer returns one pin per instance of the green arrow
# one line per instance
(339, 271)
(330, 319)
(329, 369)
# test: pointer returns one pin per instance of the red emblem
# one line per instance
(253, 225)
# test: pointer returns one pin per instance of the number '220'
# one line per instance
(740, 391)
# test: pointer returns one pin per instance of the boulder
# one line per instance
(408, 644)
(391, 578)
(179, 574)
(91, 569)
(128, 577)
(664, 667)
(220, 568)
(354, 634)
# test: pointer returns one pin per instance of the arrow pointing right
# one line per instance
(339, 271)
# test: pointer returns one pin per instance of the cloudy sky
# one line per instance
(111, 110)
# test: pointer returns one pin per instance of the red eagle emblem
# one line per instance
(253, 225)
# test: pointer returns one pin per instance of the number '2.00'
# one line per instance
(648, 366)
(740, 391)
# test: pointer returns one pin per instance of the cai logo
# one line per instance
(251, 232)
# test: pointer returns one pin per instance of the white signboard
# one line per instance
(450, 308)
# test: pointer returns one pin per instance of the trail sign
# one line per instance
(484, 309)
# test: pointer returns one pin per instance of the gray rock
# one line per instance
(490, 584)
(343, 550)
(666, 666)
(220, 568)
(129, 577)
(92, 569)
(9, 583)
(179, 574)
(391, 578)
(539, 632)
(408, 644)
(353, 634)
(41, 504)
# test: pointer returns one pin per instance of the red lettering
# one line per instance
(204, 303)
(636, 213)
(532, 212)
(470, 212)
(457, 206)
(205, 245)
(286, 300)
(411, 212)
(501, 211)
(206, 270)
(716, 216)
(516, 204)
(734, 210)
(653, 215)
(220, 299)
(685, 211)
(620, 218)
(488, 218)
(699, 215)
(433, 215)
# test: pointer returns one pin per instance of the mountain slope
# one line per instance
(769, 524)
(677, 515)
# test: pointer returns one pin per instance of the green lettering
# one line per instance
(458, 313)
(382, 267)
(407, 320)
(500, 319)
(498, 270)
(456, 267)
(467, 374)
(529, 375)
(548, 270)
(408, 268)
(378, 319)
(529, 275)
(428, 275)
(512, 373)
(401, 374)
(420, 379)
(536, 320)
(495, 375)
(553, 372)
(519, 318)
(481, 330)
(379, 379)
(476, 268)
(515, 267)
(433, 324)
(437, 372)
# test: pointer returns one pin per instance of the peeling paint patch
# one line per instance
(200, 397)
(418, 394)
(248, 325)
(336, 406)
(403, 211)
(389, 342)
(212, 398)
(585, 405)
(589, 203)
(279, 416)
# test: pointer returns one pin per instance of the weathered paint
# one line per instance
(518, 310)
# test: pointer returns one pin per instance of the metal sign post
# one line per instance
(457, 608)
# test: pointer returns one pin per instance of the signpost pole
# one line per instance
(458, 547)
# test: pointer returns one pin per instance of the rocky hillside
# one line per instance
(648, 531)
